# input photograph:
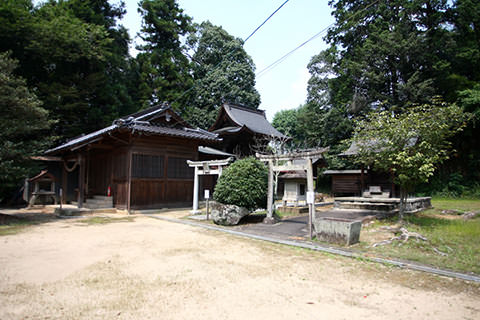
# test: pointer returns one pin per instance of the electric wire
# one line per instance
(232, 51)
(285, 56)
(246, 39)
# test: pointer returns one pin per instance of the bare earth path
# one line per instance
(151, 269)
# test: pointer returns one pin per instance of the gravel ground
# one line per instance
(151, 269)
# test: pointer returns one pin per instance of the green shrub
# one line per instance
(244, 183)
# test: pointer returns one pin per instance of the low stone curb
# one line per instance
(311, 246)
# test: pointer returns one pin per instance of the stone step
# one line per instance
(97, 206)
(366, 206)
(100, 201)
(96, 197)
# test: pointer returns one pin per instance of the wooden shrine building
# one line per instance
(140, 161)
(359, 181)
(242, 128)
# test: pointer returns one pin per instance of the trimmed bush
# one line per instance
(244, 183)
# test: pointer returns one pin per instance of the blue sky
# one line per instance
(284, 87)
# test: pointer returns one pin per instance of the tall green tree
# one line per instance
(164, 68)
(74, 55)
(222, 71)
(410, 144)
(384, 50)
(22, 129)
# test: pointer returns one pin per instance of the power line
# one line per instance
(280, 60)
(285, 56)
(231, 52)
(265, 21)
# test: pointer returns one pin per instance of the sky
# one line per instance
(285, 86)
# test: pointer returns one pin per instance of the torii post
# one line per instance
(204, 168)
(289, 157)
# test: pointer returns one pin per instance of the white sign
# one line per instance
(206, 194)
(310, 197)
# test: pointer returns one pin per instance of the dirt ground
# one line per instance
(152, 269)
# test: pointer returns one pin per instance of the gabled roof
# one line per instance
(141, 122)
(374, 145)
(234, 118)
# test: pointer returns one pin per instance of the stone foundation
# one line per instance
(382, 205)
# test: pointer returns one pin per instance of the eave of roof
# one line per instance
(212, 151)
(329, 172)
(196, 134)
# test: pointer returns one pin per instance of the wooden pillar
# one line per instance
(195, 192)
(362, 180)
(129, 180)
(310, 188)
(81, 180)
(269, 218)
(64, 184)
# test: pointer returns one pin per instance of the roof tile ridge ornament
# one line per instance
(164, 106)
(199, 130)
(245, 108)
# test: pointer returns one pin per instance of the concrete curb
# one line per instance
(316, 247)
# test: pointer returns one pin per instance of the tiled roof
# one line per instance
(131, 123)
(293, 175)
(255, 120)
(174, 132)
(81, 139)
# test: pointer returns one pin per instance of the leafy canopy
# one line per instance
(23, 124)
(222, 70)
(410, 144)
(244, 183)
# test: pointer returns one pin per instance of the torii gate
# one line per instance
(204, 168)
(289, 157)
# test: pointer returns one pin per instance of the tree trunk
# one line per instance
(403, 204)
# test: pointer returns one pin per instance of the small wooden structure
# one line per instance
(356, 181)
(43, 187)
(294, 187)
(275, 166)
(208, 167)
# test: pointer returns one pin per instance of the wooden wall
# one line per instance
(346, 184)
(174, 187)
(151, 171)
(351, 184)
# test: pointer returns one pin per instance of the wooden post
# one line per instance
(129, 181)
(392, 176)
(269, 218)
(81, 181)
(64, 183)
(362, 181)
(311, 206)
(208, 209)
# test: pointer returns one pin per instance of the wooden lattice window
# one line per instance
(179, 169)
(147, 166)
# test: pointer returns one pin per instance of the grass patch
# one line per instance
(12, 224)
(455, 204)
(14, 228)
(105, 220)
(457, 238)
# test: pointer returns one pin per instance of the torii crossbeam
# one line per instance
(204, 168)
(289, 157)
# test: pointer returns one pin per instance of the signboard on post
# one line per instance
(206, 195)
(310, 197)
